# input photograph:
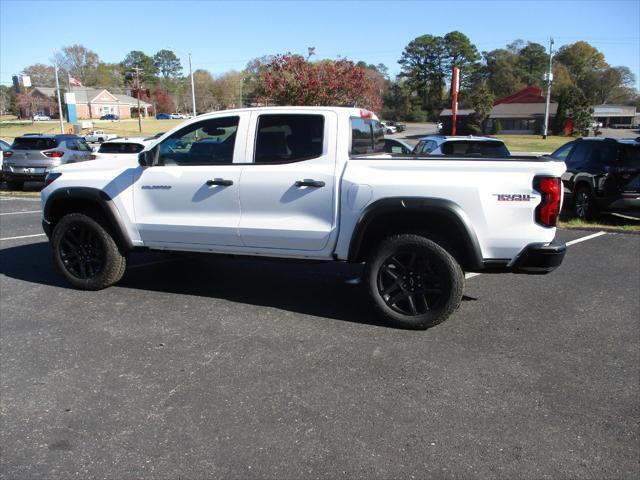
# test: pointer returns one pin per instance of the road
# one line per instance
(202, 367)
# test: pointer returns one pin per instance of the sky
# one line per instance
(222, 36)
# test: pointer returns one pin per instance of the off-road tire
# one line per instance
(77, 236)
(412, 266)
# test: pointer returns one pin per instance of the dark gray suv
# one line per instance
(33, 155)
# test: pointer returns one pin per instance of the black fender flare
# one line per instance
(96, 197)
(440, 206)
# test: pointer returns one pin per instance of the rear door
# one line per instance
(288, 191)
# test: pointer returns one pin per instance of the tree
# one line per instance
(8, 104)
(79, 62)
(162, 101)
(167, 64)
(292, 80)
(41, 75)
(109, 76)
(532, 61)
(461, 53)
(574, 105)
(481, 100)
(204, 86)
(138, 59)
(503, 75)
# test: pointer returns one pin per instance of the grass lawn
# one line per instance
(124, 128)
(533, 143)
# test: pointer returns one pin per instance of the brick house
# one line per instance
(90, 103)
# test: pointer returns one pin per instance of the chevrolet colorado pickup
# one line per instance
(310, 183)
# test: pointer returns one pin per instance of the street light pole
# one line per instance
(59, 100)
(193, 89)
(549, 79)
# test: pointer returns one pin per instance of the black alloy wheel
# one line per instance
(82, 252)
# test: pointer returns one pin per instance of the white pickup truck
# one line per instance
(310, 183)
(99, 136)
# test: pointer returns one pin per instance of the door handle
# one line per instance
(219, 181)
(310, 183)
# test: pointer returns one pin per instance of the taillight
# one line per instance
(92, 157)
(54, 154)
(549, 209)
(50, 178)
(7, 154)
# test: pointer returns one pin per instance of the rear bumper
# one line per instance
(539, 258)
(26, 177)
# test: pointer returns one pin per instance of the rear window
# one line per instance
(33, 143)
(289, 138)
(630, 155)
(121, 147)
(367, 136)
(482, 148)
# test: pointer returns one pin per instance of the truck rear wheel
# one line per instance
(85, 253)
(413, 281)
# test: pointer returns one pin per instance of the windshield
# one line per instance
(475, 148)
(33, 143)
(121, 147)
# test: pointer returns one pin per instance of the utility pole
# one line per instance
(241, 81)
(549, 79)
(137, 70)
(55, 65)
(193, 89)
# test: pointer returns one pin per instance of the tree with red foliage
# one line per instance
(292, 80)
(162, 100)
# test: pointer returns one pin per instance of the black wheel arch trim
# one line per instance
(96, 197)
(441, 206)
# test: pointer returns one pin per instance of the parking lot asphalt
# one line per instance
(204, 367)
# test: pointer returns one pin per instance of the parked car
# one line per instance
(99, 136)
(4, 147)
(602, 174)
(388, 128)
(393, 145)
(110, 116)
(400, 127)
(122, 148)
(163, 116)
(32, 156)
(448, 145)
(316, 185)
(40, 117)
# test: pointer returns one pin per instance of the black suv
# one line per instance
(602, 174)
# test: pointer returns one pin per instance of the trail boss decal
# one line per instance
(512, 197)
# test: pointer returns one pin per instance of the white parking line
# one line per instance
(22, 199)
(572, 242)
(23, 236)
(18, 213)
(588, 237)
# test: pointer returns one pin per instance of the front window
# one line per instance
(208, 142)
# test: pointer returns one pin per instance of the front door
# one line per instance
(190, 198)
(287, 194)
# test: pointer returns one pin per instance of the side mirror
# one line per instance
(147, 158)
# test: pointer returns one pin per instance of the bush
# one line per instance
(497, 127)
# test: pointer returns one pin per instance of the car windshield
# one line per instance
(121, 147)
(33, 143)
(479, 148)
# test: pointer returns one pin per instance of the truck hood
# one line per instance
(99, 164)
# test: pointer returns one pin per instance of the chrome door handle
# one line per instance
(219, 181)
(310, 183)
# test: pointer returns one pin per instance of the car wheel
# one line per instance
(85, 253)
(15, 184)
(584, 204)
(413, 281)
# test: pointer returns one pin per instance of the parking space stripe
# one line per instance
(23, 236)
(18, 213)
(20, 199)
(572, 242)
(588, 237)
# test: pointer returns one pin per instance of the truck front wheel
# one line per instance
(86, 253)
(413, 281)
